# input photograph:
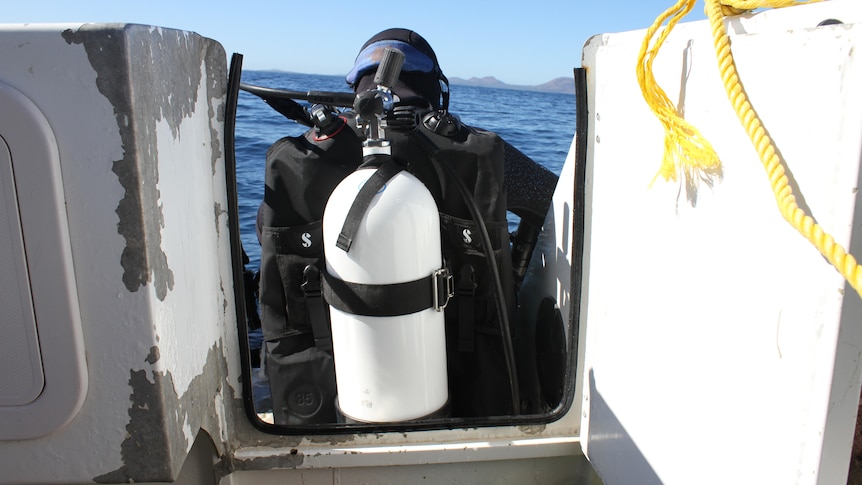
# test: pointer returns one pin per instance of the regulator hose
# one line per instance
(500, 298)
(332, 98)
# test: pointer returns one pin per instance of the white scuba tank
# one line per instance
(387, 368)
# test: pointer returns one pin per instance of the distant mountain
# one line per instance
(559, 85)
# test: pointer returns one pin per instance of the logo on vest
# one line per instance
(467, 236)
(306, 240)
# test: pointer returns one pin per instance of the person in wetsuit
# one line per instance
(301, 173)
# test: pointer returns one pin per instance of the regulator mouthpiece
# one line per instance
(389, 68)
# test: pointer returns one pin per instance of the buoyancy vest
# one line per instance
(301, 173)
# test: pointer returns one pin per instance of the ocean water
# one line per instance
(541, 125)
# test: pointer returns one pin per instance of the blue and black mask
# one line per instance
(421, 76)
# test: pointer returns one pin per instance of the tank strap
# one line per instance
(389, 300)
(363, 200)
(316, 308)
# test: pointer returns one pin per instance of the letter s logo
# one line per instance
(306, 240)
(468, 236)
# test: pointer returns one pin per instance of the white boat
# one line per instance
(706, 340)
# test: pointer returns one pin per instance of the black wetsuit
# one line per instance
(302, 171)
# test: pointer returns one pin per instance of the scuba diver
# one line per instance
(473, 176)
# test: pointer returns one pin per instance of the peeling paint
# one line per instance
(154, 355)
(219, 211)
(166, 67)
(146, 451)
(215, 84)
(533, 429)
(161, 422)
(291, 460)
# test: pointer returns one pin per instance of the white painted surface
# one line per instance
(716, 333)
(191, 191)
(21, 375)
(44, 370)
(121, 327)
(450, 470)
(86, 139)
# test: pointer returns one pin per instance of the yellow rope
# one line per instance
(716, 10)
(685, 149)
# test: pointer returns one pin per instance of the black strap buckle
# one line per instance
(442, 288)
(311, 281)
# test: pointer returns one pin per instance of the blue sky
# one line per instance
(518, 42)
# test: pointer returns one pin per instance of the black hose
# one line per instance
(500, 298)
(332, 98)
